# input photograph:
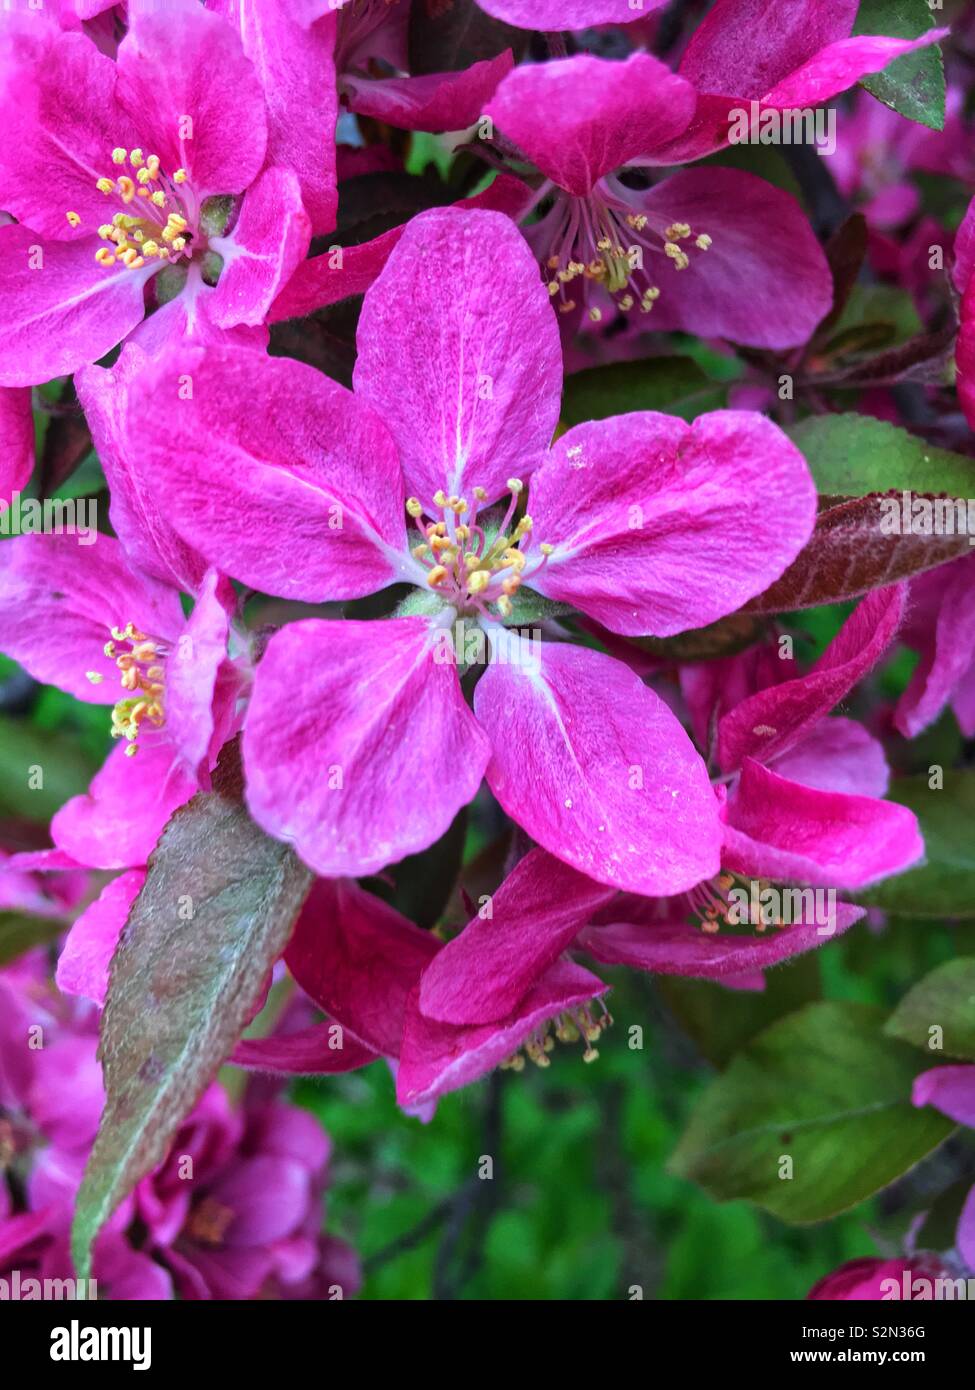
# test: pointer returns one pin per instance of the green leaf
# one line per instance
(827, 1089)
(944, 886)
(946, 999)
(39, 772)
(915, 84)
(855, 455)
(720, 1020)
(20, 932)
(182, 991)
(675, 385)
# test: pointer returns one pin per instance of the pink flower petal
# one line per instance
(788, 279)
(838, 755)
(950, 1090)
(90, 944)
(838, 66)
(116, 823)
(16, 440)
(269, 240)
(188, 66)
(348, 270)
(771, 720)
(137, 518)
(780, 830)
(947, 653)
(191, 673)
(58, 307)
(293, 58)
(579, 118)
(359, 959)
(437, 102)
(59, 601)
(594, 766)
(682, 948)
(623, 499)
(537, 912)
(377, 756)
(279, 475)
(965, 1238)
(568, 14)
(440, 1057)
(459, 353)
(310, 1052)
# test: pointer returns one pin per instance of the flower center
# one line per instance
(712, 904)
(140, 660)
(566, 1027)
(154, 220)
(603, 242)
(468, 568)
(209, 1222)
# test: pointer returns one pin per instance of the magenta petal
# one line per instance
(138, 520)
(359, 959)
(377, 756)
(294, 61)
(948, 654)
(965, 354)
(116, 823)
(439, 1057)
(60, 125)
(771, 720)
(965, 1237)
(623, 500)
(579, 118)
(780, 830)
(269, 240)
(51, 584)
(268, 1196)
(568, 14)
(279, 475)
(191, 672)
(838, 755)
(537, 912)
(469, 384)
(682, 948)
(438, 102)
(310, 1052)
(788, 278)
(348, 270)
(950, 1090)
(189, 66)
(90, 944)
(838, 66)
(58, 307)
(747, 46)
(595, 767)
(16, 440)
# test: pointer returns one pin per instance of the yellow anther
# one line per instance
(159, 198)
(419, 551)
(73, 219)
(505, 606)
(150, 248)
(95, 677)
(679, 257)
(152, 165)
(118, 155)
(546, 549)
(553, 288)
(144, 176)
(142, 192)
(105, 231)
(175, 220)
(702, 242)
(478, 581)
(480, 494)
(104, 257)
(126, 188)
(604, 244)
(132, 749)
(626, 303)
(595, 314)
(677, 231)
(179, 243)
(437, 575)
(552, 262)
(651, 294)
(440, 498)
(180, 176)
(515, 485)
(105, 186)
(414, 506)
(567, 307)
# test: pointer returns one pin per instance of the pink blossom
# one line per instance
(457, 390)
(941, 628)
(952, 1091)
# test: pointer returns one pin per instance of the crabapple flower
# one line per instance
(139, 178)
(302, 495)
(234, 1211)
(780, 54)
(716, 252)
(952, 1091)
(869, 1280)
(97, 629)
(941, 626)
